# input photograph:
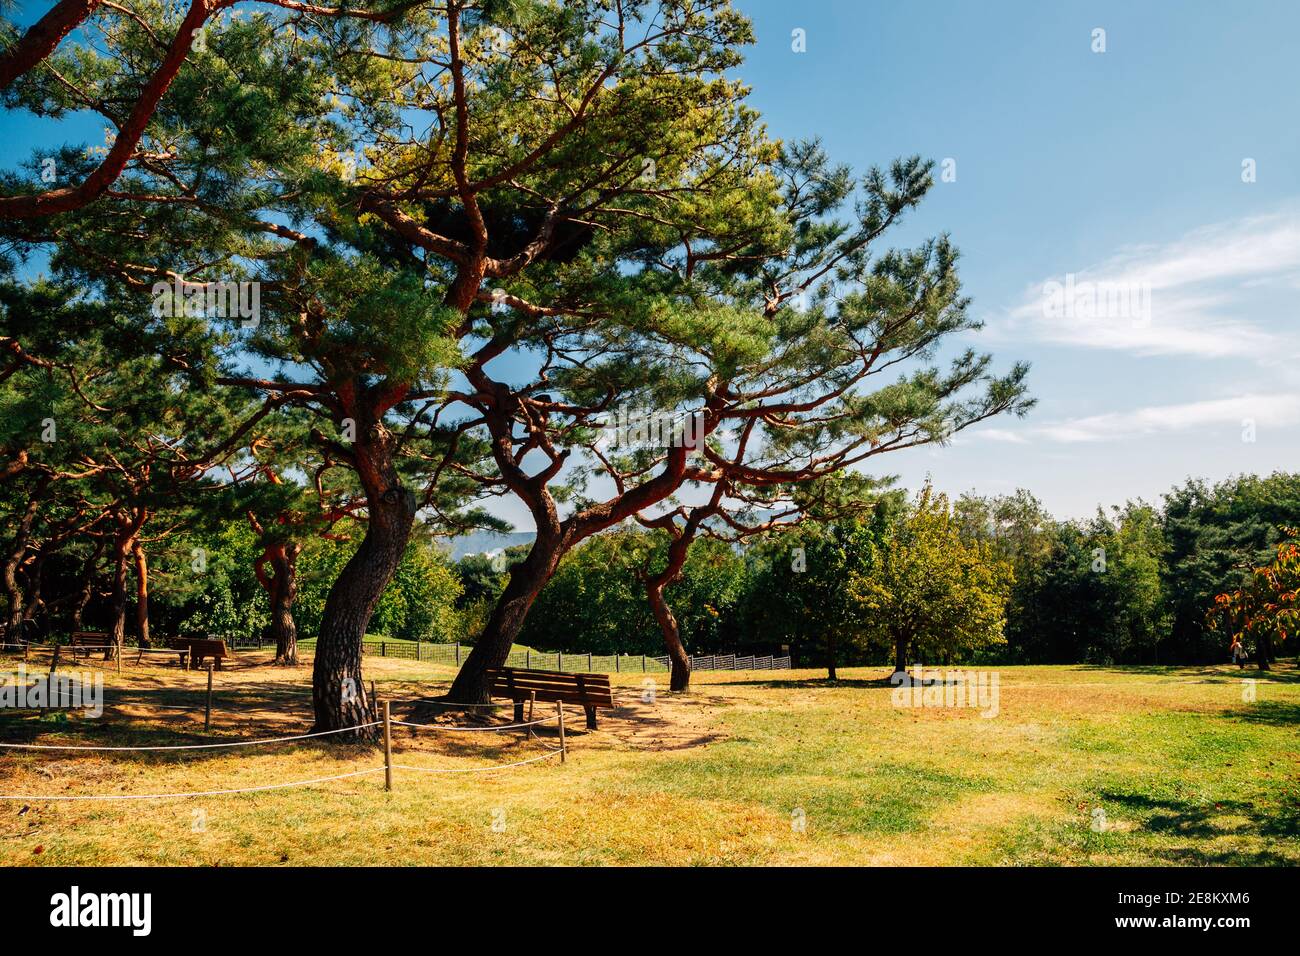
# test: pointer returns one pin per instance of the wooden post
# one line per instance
(588, 662)
(532, 702)
(528, 657)
(642, 663)
(54, 659)
(458, 653)
(207, 710)
(388, 748)
(616, 657)
(559, 660)
(564, 752)
(417, 649)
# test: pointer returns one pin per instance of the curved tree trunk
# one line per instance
(527, 579)
(13, 564)
(679, 662)
(283, 559)
(141, 594)
(339, 697)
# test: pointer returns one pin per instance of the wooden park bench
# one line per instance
(202, 647)
(588, 691)
(89, 641)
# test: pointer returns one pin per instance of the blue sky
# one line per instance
(1123, 166)
(1120, 166)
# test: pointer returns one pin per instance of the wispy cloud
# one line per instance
(1259, 410)
(1221, 291)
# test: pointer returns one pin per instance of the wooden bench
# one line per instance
(92, 641)
(588, 691)
(202, 647)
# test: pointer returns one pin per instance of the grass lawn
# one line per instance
(1081, 765)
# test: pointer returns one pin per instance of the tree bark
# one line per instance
(122, 545)
(283, 592)
(830, 656)
(527, 579)
(1263, 651)
(679, 663)
(141, 593)
(900, 655)
(339, 696)
(42, 37)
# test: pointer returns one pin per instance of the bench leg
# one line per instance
(591, 717)
(519, 712)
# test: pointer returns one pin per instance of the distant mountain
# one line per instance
(478, 542)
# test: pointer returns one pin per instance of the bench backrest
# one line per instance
(201, 646)
(589, 690)
(91, 638)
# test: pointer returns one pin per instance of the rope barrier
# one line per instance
(236, 743)
(497, 729)
(196, 793)
(501, 766)
(439, 703)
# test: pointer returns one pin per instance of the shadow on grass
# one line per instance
(809, 682)
(1273, 713)
(1283, 672)
(1203, 822)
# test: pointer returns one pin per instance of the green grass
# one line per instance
(1176, 766)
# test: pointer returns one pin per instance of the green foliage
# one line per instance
(596, 603)
(923, 589)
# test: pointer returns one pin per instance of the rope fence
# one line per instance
(387, 769)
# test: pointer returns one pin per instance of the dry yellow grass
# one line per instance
(1081, 765)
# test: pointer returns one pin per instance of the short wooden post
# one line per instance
(642, 663)
(383, 648)
(458, 653)
(588, 662)
(207, 710)
(616, 657)
(532, 702)
(388, 748)
(559, 660)
(417, 649)
(528, 657)
(564, 752)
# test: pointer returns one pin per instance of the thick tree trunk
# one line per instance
(339, 697)
(283, 559)
(830, 657)
(900, 655)
(13, 564)
(141, 594)
(122, 546)
(527, 579)
(679, 663)
(1263, 652)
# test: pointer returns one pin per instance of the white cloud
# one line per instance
(1264, 410)
(1220, 291)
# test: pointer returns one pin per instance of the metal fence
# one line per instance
(454, 654)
